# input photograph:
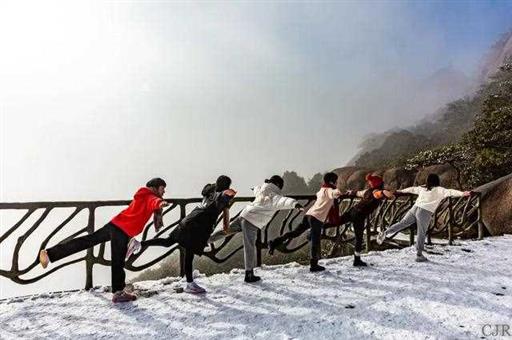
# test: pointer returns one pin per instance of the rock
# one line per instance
(353, 178)
(447, 174)
(344, 174)
(398, 178)
(496, 202)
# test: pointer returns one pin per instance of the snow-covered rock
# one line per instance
(461, 289)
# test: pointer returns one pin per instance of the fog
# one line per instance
(98, 97)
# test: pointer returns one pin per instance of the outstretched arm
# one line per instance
(410, 190)
(455, 193)
(225, 220)
(388, 194)
(158, 221)
(280, 202)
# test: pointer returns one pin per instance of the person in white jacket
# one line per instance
(254, 217)
(429, 198)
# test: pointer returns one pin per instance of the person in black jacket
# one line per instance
(370, 200)
(194, 230)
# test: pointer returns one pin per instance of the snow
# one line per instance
(465, 287)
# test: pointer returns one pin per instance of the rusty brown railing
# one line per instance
(455, 217)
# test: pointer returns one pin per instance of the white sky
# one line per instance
(98, 97)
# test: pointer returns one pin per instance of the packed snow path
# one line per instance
(453, 296)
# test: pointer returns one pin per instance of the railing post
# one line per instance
(89, 258)
(258, 249)
(368, 236)
(450, 219)
(479, 217)
(181, 250)
(182, 261)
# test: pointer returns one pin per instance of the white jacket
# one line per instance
(324, 201)
(430, 199)
(268, 200)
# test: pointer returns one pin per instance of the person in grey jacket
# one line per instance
(429, 198)
(254, 217)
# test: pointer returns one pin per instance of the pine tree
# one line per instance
(490, 141)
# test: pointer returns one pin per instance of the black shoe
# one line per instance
(315, 267)
(358, 262)
(250, 277)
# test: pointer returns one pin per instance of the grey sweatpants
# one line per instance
(416, 215)
(250, 234)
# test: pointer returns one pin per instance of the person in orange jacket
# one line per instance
(130, 222)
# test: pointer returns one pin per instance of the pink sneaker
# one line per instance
(122, 296)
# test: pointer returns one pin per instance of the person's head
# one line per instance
(222, 183)
(330, 178)
(276, 180)
(433, 181)
(374, 181)
(157, 185)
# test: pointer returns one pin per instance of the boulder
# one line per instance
(447, 174)
(398, 178)
(496, 202)
(346, 178)
(353, 178)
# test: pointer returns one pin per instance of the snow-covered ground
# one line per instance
(460, 290)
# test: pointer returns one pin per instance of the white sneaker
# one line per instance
(381, 237)
(194, 288)
(133, 248)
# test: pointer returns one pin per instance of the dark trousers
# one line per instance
(357, 221)
(167, 242)
(118, 243)
(308, 222)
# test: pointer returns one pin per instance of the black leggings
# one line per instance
(357, 220)
(167, 242)
(316, 230)
(118, 243)
(308, 222)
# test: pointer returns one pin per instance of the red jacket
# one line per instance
(133, 219)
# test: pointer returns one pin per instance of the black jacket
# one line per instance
(195, 229)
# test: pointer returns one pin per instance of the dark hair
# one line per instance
(222, 183)
(276, 180)
(330, 177)
(433, 181)
(156, 183)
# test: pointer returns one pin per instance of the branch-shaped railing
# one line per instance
(455, 217)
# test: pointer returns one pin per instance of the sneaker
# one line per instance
(43, 258)
(133, 248)
(421, 258)
(358, 262)
(122, 296)
(315, 267)
(194, 288)
(381, 237)
(250, 277)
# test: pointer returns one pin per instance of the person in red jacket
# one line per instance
(128, 223)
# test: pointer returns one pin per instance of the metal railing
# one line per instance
(455, 217)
